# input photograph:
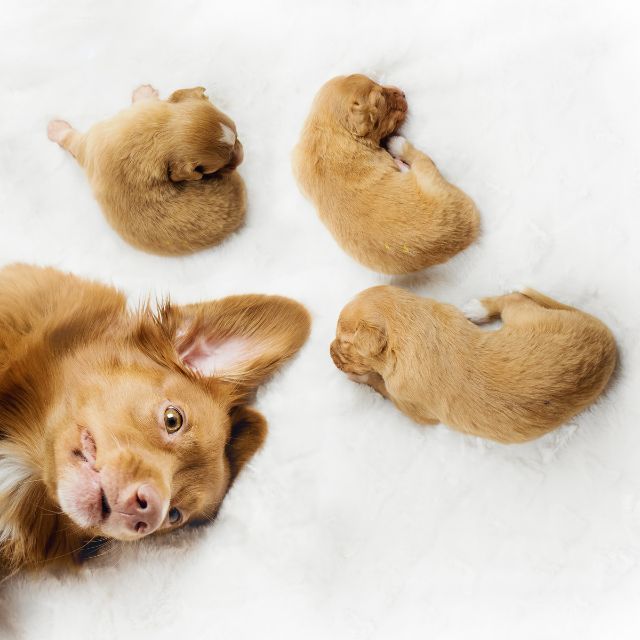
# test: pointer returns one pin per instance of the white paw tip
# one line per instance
(57, 129)
(475, 311)
(395, 145)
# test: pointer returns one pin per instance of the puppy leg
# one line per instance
(374, 380)
(508, 308)
(66, 136)
(418, 162)
(144, 92)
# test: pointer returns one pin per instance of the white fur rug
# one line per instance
(353, 522)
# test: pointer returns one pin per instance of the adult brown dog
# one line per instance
(121, 424)
(163, 171)
(391, 220)
(544, 365)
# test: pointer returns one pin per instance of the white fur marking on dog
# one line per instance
(7, 531)
(13, 471)
(228, 135)
(475, 311)
(395, 145)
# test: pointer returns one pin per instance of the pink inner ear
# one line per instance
(217, 357)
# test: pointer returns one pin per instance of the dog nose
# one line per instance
(142, 509)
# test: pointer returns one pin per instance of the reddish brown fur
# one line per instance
(391, 221)
(545, 364)
(71, 355)
(163, 172)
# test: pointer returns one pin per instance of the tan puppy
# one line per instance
(544, 365)
(163, 170)
(390, 210)
(118, 424)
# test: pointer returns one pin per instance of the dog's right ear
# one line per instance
(187, 94)
(369, 340)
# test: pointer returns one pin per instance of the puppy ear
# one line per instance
(180, 170)
(211, 159)
(369, 339)
(187, 94)
(364, 113)
(248, 433)
(240, 339)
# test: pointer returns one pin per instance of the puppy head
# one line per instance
(361, 339)
(153, 429)
(363, 107)
(202, 140)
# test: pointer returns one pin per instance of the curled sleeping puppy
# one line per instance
(120, 424)
(546, 363)
(163, 171)
(389, 209)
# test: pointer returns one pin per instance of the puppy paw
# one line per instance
(144, 92)
(475, 311)
(57, 130)
(395, 146)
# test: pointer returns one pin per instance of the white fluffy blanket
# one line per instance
(353, 522)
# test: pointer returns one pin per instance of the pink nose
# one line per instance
(141, 509)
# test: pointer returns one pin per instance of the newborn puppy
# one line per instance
(390, 210)
(544, 365)
(163, 170)
(119, 424)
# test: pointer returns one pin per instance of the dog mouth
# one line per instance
(105, 509)
(90, 503)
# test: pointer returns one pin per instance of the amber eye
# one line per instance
(173, 419)
(174, 516)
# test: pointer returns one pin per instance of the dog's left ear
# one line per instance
(240, 339)
(199, 156)
(364, 113)
(248, 433)
(180, 171)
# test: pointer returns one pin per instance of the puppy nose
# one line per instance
(143, 509)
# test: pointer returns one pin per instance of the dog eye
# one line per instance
(174, 515)
(173, 419)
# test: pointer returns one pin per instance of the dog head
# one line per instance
(202, 140)
(154, 425)
(363, 107)
(361, 338)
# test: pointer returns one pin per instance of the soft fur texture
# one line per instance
(391, 209)
(84, 387)
(353, 522)
(163, 170)
(545, 364)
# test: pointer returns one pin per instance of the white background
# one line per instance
(353, 522)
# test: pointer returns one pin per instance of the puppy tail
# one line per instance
(545, 301)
